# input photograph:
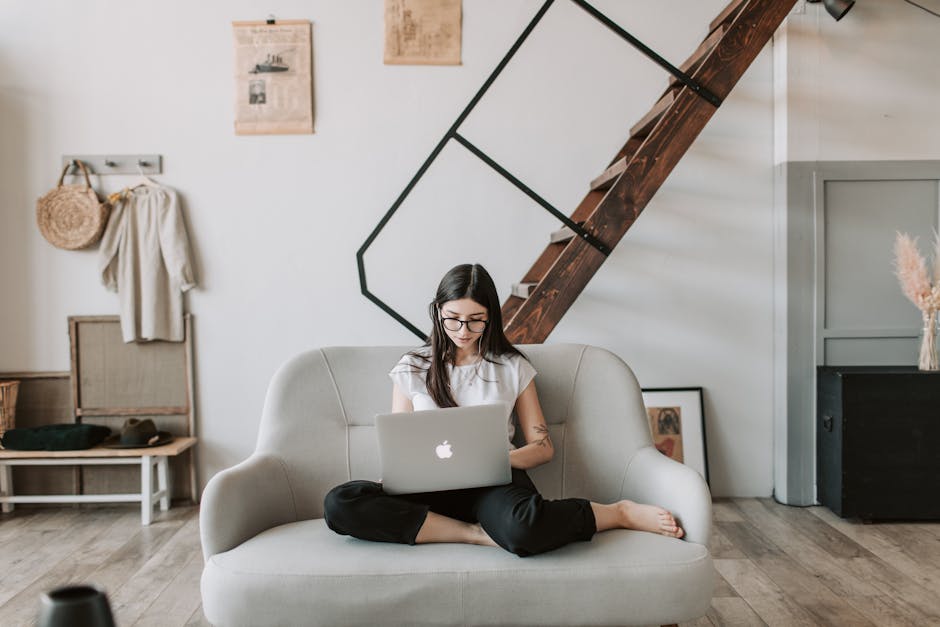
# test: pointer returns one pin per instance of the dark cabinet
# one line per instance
(878, 442)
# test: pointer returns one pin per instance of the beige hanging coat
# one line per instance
(145, 257)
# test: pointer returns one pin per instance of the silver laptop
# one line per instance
(444, 449)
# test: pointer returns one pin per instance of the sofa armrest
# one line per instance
(244, 500)
(653, 478)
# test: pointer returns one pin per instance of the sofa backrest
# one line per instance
(320, 409)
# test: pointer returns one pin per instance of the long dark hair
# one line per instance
(464, 281)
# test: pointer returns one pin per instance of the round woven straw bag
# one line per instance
(72, 216)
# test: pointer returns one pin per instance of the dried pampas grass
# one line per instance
(911, 269)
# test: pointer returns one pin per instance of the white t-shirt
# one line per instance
(500, 380)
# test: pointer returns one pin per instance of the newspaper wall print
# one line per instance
(422, 32)
(273, 77)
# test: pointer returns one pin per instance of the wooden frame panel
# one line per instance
(107, 375)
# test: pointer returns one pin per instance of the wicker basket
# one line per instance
(8, 391)
(72, 216)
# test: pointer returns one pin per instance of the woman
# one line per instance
(469, 361)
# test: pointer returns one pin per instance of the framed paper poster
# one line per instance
(422, 32)
(273, 77)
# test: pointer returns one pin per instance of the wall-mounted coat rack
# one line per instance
(118, 164)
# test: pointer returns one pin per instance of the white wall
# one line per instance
(865, 88)
(686, 299)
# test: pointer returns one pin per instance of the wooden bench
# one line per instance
(148, 458)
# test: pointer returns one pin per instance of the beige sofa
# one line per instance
(271, 560)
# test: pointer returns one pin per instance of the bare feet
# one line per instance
(649, 518)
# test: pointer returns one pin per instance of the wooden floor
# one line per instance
(775, 565)
(780, 565)
(151, 574)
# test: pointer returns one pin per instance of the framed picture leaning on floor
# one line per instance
(677, 424)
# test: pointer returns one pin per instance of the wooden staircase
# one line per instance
(655, 145)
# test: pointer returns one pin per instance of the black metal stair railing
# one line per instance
(452, 134)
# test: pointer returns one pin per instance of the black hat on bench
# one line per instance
(137, 433)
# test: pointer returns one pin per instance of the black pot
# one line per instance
(75, 606)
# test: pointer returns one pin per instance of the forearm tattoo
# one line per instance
(546, 439)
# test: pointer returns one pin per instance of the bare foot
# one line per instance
(649, 518)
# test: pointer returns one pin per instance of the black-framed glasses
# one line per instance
(454, 324)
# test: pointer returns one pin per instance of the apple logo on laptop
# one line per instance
(443, 450)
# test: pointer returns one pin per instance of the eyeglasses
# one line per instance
(454, 324)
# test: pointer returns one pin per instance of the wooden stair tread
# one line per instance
(639, 131)
(544, 263)
(608, 176)
(629, 149)
(695, 60)
(727, 14)
(648, 121)
(551, 253)
(510, 307)
(523, 290)
(587, 206)
(618, 163)
(560, 236)
(750, 25)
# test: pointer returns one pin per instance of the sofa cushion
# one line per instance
(304, 574)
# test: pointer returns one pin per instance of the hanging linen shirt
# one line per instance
(145, 257)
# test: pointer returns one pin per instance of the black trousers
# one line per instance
(515, 515)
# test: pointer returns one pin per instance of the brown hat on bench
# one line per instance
(138, 434)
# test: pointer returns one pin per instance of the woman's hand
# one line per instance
(538, 449)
